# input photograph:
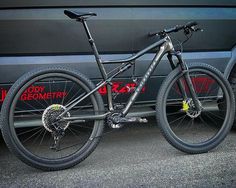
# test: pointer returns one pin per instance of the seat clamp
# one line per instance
(79, 19)
(91, 41)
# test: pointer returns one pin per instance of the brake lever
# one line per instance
(199, 29)
(196, 29)
(188, 30)
(153, 34)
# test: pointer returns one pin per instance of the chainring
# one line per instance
(111, 120)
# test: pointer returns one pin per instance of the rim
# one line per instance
(40, 134)
(203, 129)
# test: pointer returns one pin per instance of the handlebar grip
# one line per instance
(174, 29)
(190, 24)
(178, 27)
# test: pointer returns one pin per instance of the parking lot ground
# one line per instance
(134, 156)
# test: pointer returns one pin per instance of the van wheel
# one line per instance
(232, 81)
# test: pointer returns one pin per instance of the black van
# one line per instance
(36, 34)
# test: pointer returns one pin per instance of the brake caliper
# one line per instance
(185, 106)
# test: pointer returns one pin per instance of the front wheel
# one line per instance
(186, 128)
(29, 112)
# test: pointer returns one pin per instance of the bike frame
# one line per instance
(165, 47)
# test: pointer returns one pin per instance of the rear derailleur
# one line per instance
(57, 135)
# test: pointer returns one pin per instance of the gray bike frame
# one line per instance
(165, 45)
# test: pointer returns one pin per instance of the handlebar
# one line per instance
(188, 27)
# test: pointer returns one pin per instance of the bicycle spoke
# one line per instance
(217, 116)
(50, 89)
(177, 119)
(30, 112)
(73, 132)
(74, 96)
(64, 92)
(186, 125)
(45, 131)
(39, 141)
(174, 113)
(181, 121)
(205, 123)
(28, 131)
(37, 137)
(68, 94)
(32, 135)
(35, 109)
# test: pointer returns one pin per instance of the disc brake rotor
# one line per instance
(189, 108)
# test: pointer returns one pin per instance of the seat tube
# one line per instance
(95, 51)
(100, 65)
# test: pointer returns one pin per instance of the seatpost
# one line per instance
(94, 48)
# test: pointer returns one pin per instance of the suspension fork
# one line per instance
(188, 80)
(179, 82)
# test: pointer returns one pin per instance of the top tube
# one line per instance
(138, 54)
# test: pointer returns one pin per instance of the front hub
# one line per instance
(189, 108)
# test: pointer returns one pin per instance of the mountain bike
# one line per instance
(53, 117)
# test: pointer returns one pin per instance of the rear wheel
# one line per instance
(184, 127)
(29, 113)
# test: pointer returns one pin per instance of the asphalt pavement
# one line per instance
(134, 156)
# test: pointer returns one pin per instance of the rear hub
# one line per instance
(49, 118)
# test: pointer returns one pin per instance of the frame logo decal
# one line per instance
(120, 87)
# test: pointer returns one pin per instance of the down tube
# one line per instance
(150, 70)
